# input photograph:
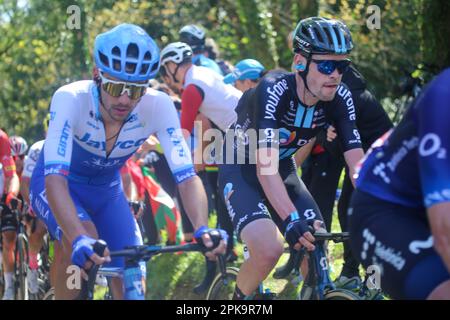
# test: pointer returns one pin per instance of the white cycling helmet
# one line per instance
(18, 146)
(193, 36)
(176, 52)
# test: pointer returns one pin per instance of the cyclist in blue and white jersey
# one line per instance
(95, 126)
(399, 216)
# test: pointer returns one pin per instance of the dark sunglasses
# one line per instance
(327, 67)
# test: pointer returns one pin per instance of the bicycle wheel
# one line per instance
(222, 288)
(21, 266)
(2, 282)
(49, 295)
(341, 294)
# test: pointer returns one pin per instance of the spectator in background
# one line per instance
(212, 52)
(194, 36)
(246, 74)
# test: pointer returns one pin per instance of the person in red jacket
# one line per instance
(8, 219)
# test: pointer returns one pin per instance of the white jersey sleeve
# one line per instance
(59, 141)
(32, 158)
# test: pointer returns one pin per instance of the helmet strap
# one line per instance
(174, 74)
(304, 74)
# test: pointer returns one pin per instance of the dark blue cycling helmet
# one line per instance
(127, 52)
(318, 35)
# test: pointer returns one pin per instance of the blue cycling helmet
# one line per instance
(245, 69)
(127, 52)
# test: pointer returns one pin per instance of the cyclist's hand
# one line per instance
(331, 133)
(137, 208)
(213, 239)
(199, 167)
(83, 254)
(149, 144)
(12, 201)
(298, 232)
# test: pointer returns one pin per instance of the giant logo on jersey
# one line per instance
(286, 136)
(62, 145)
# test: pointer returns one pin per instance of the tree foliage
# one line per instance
(39, 52)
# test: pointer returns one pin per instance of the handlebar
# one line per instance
(137, 253)
(335, 237)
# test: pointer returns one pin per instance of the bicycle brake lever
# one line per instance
(222, 265)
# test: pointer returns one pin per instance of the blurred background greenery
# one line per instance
(39, 53)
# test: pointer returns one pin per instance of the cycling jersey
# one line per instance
(201, 60)
(274, 110)
(32, 158)
(75, 145)
(410, 166)
(75, 148)
(398, 240)
(205, 92)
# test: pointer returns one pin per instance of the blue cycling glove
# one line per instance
(294, 228)
(216, 236)
(82, 249)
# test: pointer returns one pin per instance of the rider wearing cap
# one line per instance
(245, 75)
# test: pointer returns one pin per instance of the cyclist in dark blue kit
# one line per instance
(282, 114)
(399, 216)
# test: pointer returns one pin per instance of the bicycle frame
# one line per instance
(133, 256)
(318, 277)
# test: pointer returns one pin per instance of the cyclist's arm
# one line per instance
(271, 182)
(439, 218)
(352, 157)
(25, 189)
(347, 132)
(194, 200)
(28, 167)
(267, 153)
(127, 183)
(201, 144)
(434, 165)
(303, 153)
(12, 183)
(178, 156)
(191, 100)
(58, 152)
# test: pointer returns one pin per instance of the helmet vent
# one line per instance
(116, 65)
(132, 51)
(103, 59)
(148, 56)
(144, 68)
(130, 67)
(116, 51)
(330, 38)
(155, 67)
